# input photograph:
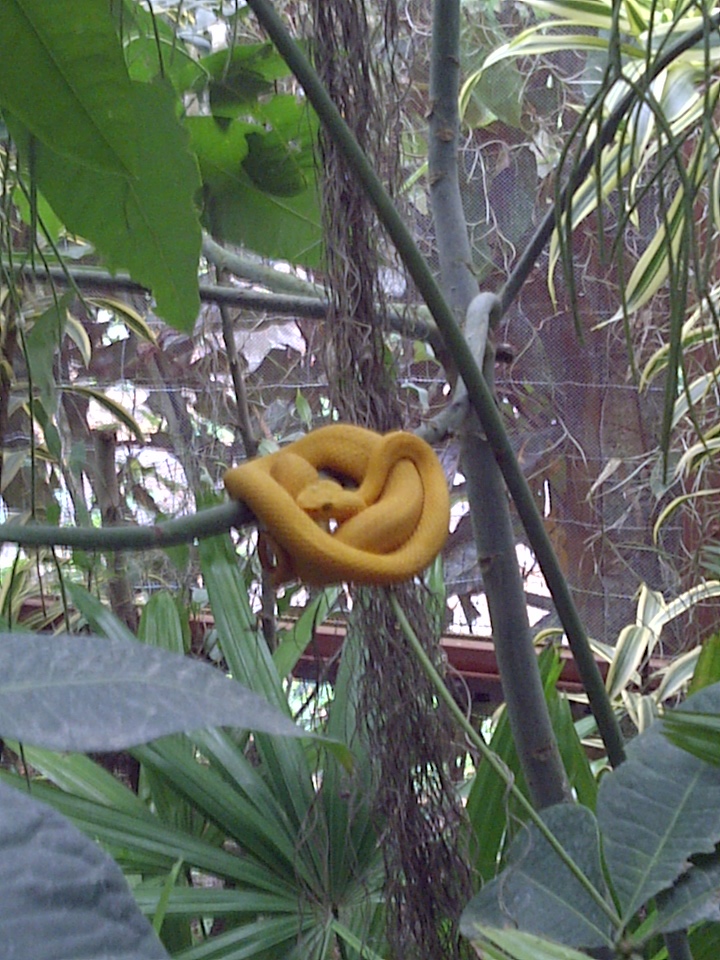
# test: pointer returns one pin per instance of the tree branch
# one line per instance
(489, 508)
(170, 533)
(400, 320)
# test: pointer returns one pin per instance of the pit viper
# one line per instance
(382, 521)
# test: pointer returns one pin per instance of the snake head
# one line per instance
(327, 500)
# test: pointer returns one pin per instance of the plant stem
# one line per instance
(489, 507)
(170, 533)
(281, 304)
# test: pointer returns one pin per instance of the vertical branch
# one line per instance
(489, 509)
(250, 443)
(453, 244)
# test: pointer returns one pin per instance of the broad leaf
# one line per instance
(86, 693)
(238, 76)
(62, 74)
(693, 898)
(698, 733)
(62, 896)
(259, 181)
(147, 224)
(656, 811)
(537, 892)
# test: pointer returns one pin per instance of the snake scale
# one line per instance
(382, 520)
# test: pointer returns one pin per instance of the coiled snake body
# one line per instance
(384, 529)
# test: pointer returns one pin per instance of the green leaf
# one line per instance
(692, 899)
(516, 945)
(62, 896)
(657, 810)
(112, 406)
(243, 647)
(47, 221)
(42, 344)
(238, 76)
(294, 642)
(265, 937)
(707, 670)
(213, 901)
(81, 776)
(99, 618)
(85, 694)
(487, 804)
(538, 894)
(62, 74)
(148, 224)
(260, 186)
(160, 624)
(261, 829)
(146, 844)
(698, 733)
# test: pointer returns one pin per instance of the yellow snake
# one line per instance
(384, 526)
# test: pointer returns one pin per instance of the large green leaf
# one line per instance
(62, 74)
(658, 810)
(147, 224)
(85, 694)
(537, 893)
(259, 181)
(236, 77)
(61, 895)
(693, 898)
